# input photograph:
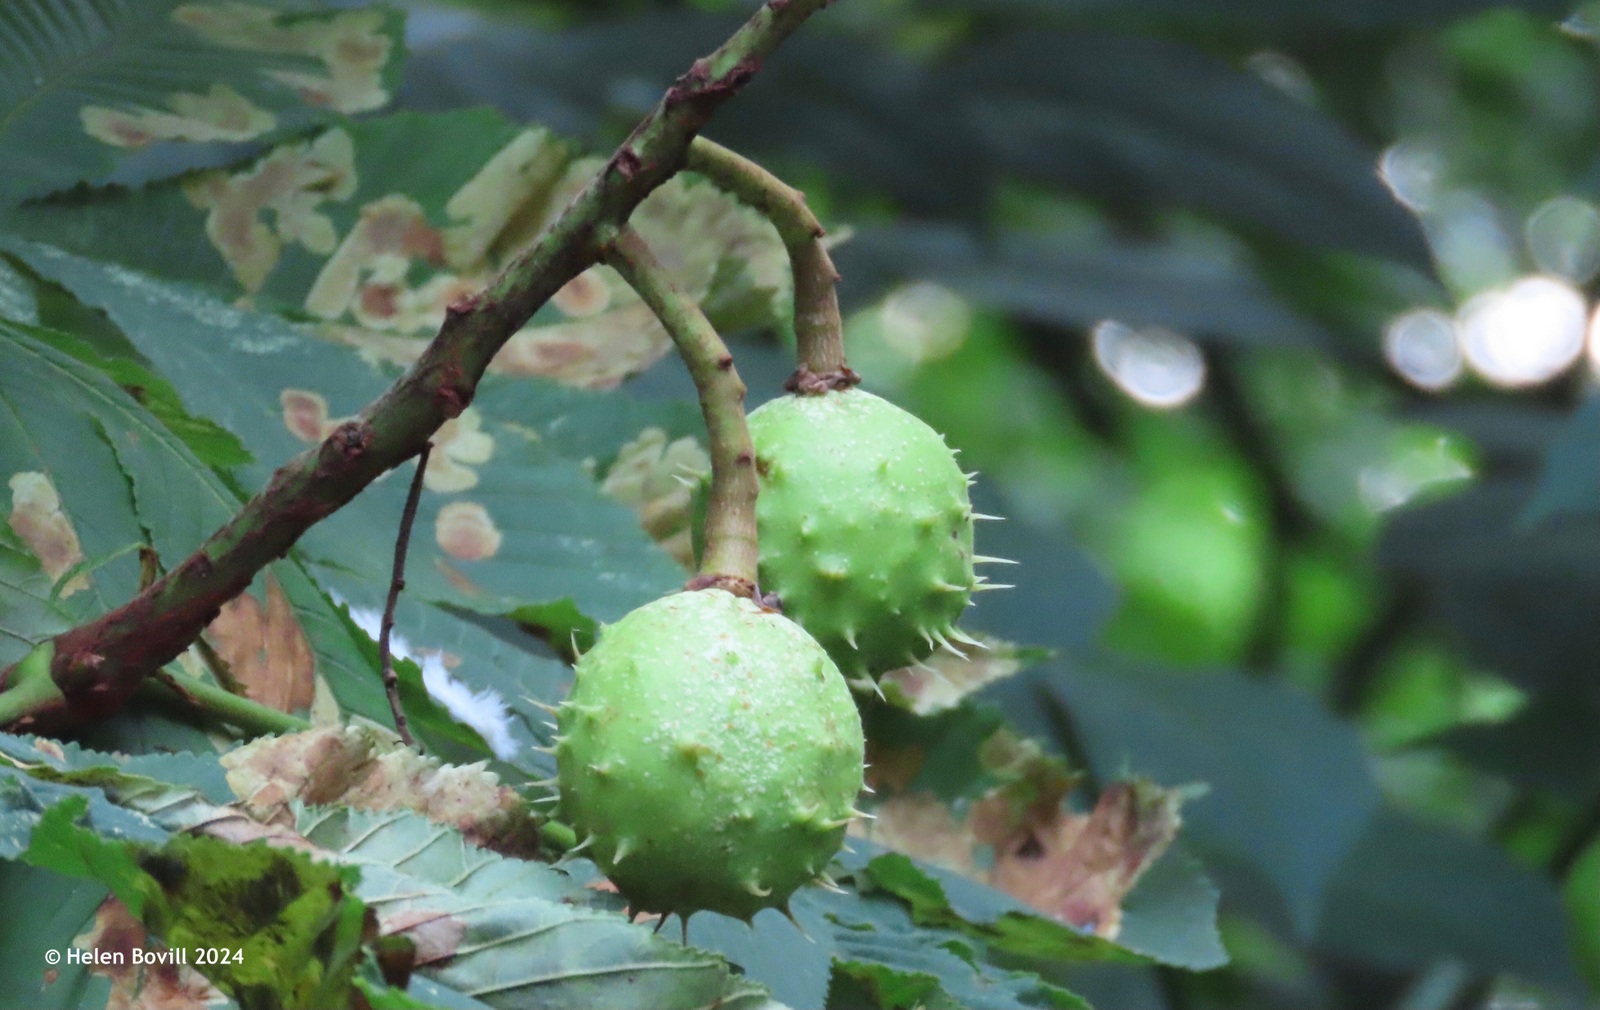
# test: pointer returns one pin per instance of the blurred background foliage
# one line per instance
(1270, 325)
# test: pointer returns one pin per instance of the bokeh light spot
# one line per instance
(1525, 333)
(1156, 366)
(1423, 347)
(1564, 238)
(925, 321)
(1412, 174)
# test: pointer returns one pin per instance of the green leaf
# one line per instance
(1547, 744)
(1170, 916)
(114, 470)
(508, 663)
(876, 942)
(1410, 894)
(868, 936)
(63, 908)
(1520, 600)
(372, 243)
(58, 844)
(1136, 120)
(1291, 788)
(512, 933)
(17, 300)
(24, 800)
(1202, 286)
(1272, 14)
(212, 445)
(1570, 482)
(29, 611)
(123, 791)
(89, 85)
(46, 787)
(513, 528)
(292, 918)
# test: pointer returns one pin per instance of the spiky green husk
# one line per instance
(712, 751)
(865, 526)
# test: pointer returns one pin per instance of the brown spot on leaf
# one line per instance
(266, 649)
(593, 353)
(465, 530)
(379, 301)
(457, 578)
(366, 275)
(584, 295)
(37, 518)
(520, 182)
(459, 445)
(436, 934)
(305, 414)
(291, 183)
(221, 114)
(114, 930)
(351, 45)
(648, 476)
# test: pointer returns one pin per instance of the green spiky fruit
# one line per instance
(712, 752)
(865, 527)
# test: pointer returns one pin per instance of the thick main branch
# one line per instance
(731, 551)
(97, 666)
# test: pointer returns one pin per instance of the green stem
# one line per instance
(819, 331)
(210, 700)
(731, 550)
(99, 665)
(29, 687)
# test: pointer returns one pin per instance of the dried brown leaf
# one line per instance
(266, 649)
(1019, 836)
(942, 680)
(364, 767)
(141, 987)
(924, 827)
(1080, 867)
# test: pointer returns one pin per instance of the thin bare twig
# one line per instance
(402, 540)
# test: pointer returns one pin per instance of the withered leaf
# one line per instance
(365, 767)
(266, 649)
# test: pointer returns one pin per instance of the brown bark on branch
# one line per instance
(99, 665)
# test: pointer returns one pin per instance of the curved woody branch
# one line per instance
(97, 666)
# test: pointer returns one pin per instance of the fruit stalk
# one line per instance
(731, 552)
(819, 330)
